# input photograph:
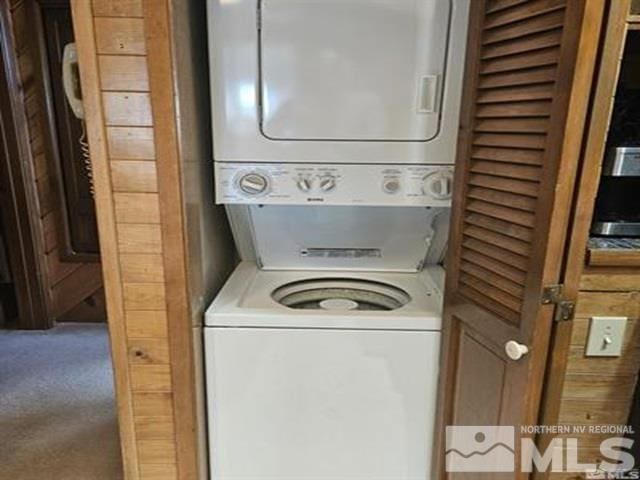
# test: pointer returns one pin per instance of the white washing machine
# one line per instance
(322, 348)
(314, 375)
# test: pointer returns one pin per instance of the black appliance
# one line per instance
(617, 212)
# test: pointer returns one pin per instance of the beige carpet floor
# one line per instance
(57, 407)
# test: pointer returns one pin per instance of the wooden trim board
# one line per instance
(157, 36)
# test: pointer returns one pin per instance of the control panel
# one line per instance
(331, 184)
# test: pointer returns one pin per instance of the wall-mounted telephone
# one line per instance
(73, 92)
(71, 80)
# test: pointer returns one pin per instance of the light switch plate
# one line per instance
(606, 335)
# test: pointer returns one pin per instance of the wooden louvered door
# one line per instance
(528, 77)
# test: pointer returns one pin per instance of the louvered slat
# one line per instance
(489, 304)
(541, 23)
(520, 61)
(499, 240)
(512, 140)
(489, 249)
(507, 199)
(521, 12)
(509, 155)
(505, 184)
(497, 5)
(497, 225)
(524, 78)
(495, 294)
(511, 125)
(522, 172)
(542, 91)
(518, 217)
(515, 276)
(514, 109)
(529, 43)
(498, 280)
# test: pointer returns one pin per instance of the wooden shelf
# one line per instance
(613, 257)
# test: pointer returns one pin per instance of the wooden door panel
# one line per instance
(529, 66)
(482, 372)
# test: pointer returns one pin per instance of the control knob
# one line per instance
(253, 183)
(391, 185)
(304, 184)
(327, 183)
(438, 185)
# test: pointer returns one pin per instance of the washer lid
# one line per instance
(352, 69)
(258, 298)
(340, 294)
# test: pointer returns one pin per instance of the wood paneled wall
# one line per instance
(600, 390)
(66, 284)
(157, 220)
(114, 73)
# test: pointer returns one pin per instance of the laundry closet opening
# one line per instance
(335, 170)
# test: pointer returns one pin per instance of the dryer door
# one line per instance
(352, 69)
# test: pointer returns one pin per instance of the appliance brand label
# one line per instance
(341, 253)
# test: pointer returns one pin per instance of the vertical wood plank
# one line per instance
(86, 43)
(158, 32)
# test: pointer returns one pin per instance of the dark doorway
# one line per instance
(22, 298)
(48, 221)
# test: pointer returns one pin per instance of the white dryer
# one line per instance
(336, 81)
(315, 375)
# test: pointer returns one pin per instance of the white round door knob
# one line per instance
(515, 350)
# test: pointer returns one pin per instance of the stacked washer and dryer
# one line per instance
(334, 132)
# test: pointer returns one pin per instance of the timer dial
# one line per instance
(438, 185)
(253, 183)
